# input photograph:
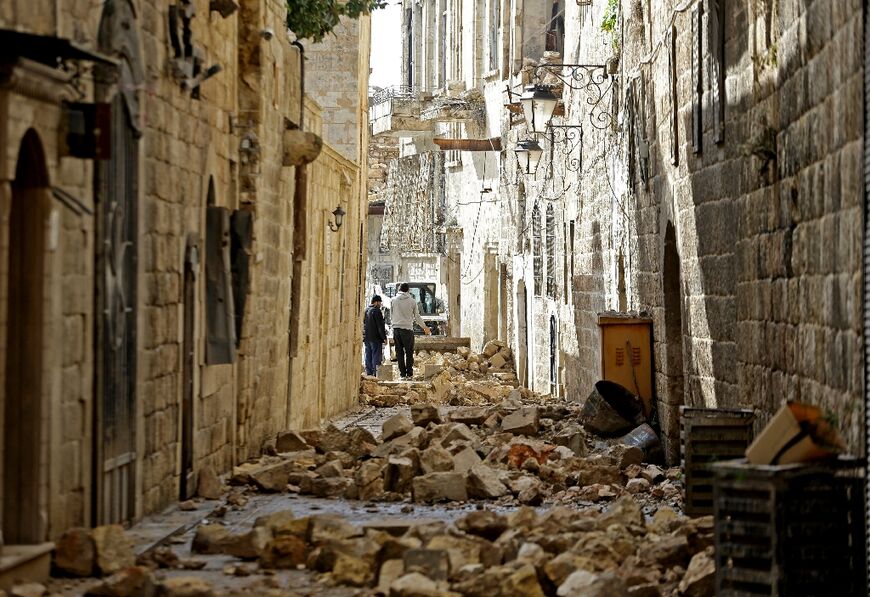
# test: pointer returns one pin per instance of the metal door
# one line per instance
(115, 432)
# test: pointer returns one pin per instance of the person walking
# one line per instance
(374, 335)
(404, 312)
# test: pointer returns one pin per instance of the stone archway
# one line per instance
(24, 520)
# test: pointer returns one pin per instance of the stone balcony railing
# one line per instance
(395, 112)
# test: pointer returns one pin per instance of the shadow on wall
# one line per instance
(588, 298)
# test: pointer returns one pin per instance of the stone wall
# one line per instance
(221, 145)
(763, 312)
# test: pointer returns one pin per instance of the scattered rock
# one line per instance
(208, 485)
(435, 487)
(395, 426)
(700, 578)
(291, 441)
(75, 552)
(114, 550)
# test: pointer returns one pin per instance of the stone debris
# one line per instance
(460, 378)
(509, 446)
(87, 552)
(563, 551)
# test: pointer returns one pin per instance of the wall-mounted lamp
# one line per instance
(528, 155)
(538, 104)
(338, 216)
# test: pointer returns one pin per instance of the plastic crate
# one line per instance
(709, 435)
(794, 529)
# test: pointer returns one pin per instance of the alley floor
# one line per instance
(455, 483)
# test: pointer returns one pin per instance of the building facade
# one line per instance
(702, 168)
(167, 213)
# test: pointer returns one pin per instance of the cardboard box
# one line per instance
(797, 433)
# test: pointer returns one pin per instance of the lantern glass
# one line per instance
(339, 216)
(538, 103)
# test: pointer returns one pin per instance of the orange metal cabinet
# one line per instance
(626, 354)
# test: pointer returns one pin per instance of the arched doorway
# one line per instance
(23, 505)
(117, 192)
(673, 346)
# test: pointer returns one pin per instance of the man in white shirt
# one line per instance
(404, 312)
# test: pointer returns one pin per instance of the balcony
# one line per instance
(396, 112)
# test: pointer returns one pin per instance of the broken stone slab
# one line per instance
(396, 426)
(330, 487)
(483, 523)
(431, 370)
(497, 361)
(491, 348)
(573, 438)
(75, 552)
(114, 550)
(399, 473)
(291, 441)
(352, 571)
(523, 583)
(284, 551)
(465, 459)
(435, 487)
(483, 482)
(524, 421)
(208, 484)
(436, 459)
(433, 563)
(416, 438)
(653, 474)
(273, 477)
(563, 565)
(469, 415)
(362, 442)
(333, 439)
(423, 414)
(626, 456)
(459, 432)
(668, 551)
(332, 468)
(326, 527)
(700, 577)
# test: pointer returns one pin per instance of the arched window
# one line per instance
(537, 249)
(551, 252)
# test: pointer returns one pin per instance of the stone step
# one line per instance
(24, 563)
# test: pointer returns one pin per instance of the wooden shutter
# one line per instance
(220, 322)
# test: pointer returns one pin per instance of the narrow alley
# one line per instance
(434, 298)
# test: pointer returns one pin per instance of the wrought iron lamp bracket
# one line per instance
(592, 80)
(569, 139)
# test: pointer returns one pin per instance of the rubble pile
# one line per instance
(460, 378)
(562, 552)
(514, 451)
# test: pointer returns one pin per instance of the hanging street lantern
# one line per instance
(528, 155)
(538, 103)
(338, 215)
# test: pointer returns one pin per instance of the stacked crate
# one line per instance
(709, 435)
(793, 529)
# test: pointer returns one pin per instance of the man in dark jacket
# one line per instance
(374, 335)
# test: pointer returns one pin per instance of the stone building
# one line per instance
(166, 242)
(704, 169)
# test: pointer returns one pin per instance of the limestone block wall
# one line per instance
(331, 296)
(721, 245)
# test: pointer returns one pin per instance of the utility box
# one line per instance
(626, 353)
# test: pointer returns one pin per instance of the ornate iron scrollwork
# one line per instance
(593, 80)
(569, 140)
